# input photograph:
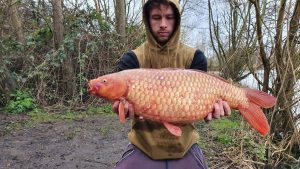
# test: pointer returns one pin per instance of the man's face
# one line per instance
(162, 23)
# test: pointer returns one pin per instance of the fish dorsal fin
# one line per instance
(218, 77)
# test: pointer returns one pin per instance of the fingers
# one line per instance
(215, 114)
(131, 111)
(227, 109)
(122, 112)
(128, 108)
(115, 106)
(221, 108)
(208, 117)
(217, 110)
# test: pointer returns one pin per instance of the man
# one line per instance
(151, 145)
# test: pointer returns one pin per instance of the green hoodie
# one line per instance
(149, 136)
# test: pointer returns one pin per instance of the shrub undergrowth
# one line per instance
(20, 102)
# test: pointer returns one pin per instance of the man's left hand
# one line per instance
(221, 108)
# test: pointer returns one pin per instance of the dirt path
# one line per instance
(93, 142)
(86, 141)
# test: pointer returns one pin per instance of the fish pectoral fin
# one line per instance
(121, 109)
(175, 130)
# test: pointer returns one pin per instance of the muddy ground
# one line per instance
(79, 140)
(88, 141)
(92, 142)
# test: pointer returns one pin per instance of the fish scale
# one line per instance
(189, 86)
(173, 96)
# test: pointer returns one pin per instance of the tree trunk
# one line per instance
(283, 124)
(120, 19)
(67, 66)
(58, 23)
(286, 62)
(16, 22)
(99, 11)
(263, 55)
(232, 52)
(7, 84)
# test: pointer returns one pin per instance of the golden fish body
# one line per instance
(180, 96)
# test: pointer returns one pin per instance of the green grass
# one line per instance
(104, 130)
(105, 109)
(254, 147)
(230, 132)
(223, 129)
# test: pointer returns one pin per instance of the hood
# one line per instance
(173, 54)
(175, 37)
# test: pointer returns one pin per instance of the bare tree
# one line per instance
(272, 33)
(265, 60)
(58, 26)
(287, 66)
(16, 22)
(99, 12)
(285, 54)
(105, 4)
(120, 19)
(230, 48)
(7, 84)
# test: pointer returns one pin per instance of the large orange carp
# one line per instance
(180, 96)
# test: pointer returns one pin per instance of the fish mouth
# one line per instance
(93, 88)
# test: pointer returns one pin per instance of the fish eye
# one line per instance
(104, 81)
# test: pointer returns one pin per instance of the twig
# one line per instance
(255, 162)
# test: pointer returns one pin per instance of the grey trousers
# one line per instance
(133, 158)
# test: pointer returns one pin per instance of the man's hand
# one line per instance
(128, 109)
(221, 108)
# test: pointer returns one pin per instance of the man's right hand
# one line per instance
(221, 108)
(128, 109)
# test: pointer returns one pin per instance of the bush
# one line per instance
(21, 102)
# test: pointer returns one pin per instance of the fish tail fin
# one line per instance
(260, 98)
(256, 118)
(253, 114)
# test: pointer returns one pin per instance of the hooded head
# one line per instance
(163, 47)
(162, 22)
